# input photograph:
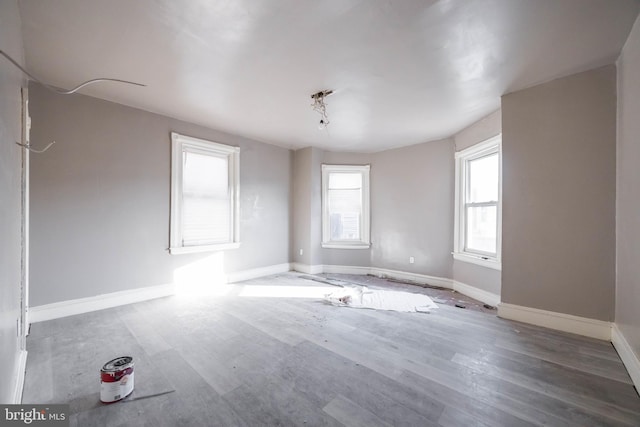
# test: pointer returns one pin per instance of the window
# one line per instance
(345, 206)
(204, 195)
(478, 204)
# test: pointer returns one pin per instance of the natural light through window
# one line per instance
(345, 205)
(478, 189)
(204, 195)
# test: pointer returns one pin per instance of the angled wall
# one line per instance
(484, 278)
(627, 315)
(412, 208)
(307, 219)
(559, 169)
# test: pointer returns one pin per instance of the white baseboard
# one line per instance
(629, 358)
(463, 288)
(380, 272)
(19, 386)
(477, 293)
(57, 310)
(306, 268)
(562, 322)
(414, 277)
(345, 269)
(254, 273)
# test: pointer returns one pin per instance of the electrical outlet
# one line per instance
(301, 252)
(411, 260)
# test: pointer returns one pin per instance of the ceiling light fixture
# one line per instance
(320, 107)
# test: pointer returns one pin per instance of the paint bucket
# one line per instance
(116, 379)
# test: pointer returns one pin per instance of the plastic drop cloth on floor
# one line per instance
(363, 297)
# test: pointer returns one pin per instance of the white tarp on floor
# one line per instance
(363, 297)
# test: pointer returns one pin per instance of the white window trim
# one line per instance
(178, 144)
(481, 149)
(365, 242)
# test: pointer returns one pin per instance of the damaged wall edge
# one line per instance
(630, 360)
(20, 376)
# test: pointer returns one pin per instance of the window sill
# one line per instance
(334, 245)
(205, 248)
(476, 259)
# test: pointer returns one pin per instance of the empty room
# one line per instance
(320, 213)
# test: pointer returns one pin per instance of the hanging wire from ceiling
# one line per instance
(60, 91)
(70, 91)
(33, 150)
(320, 107)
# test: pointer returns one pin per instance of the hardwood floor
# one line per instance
(245, 359)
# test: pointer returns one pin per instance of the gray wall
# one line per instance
(302, 206)
(307, 218)
(315, 191)
(480, 277)
(471, 274)
(627, 314)
(558, 144)
(10, 196)
(412, 208)
(100, 199)
(479, 131)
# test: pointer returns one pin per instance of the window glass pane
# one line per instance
(205, 221)
(205, 174)
(345, 212)
(206, 208)
(341, 180)
(483, 179)
(481, 230)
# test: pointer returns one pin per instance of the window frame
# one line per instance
(180, 144)
(462, 158)
(365, 238)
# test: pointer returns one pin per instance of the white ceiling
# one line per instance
(403, 72)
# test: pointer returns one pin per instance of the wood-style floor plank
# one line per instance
(352, 415)
(237, 360)
(570, 396)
